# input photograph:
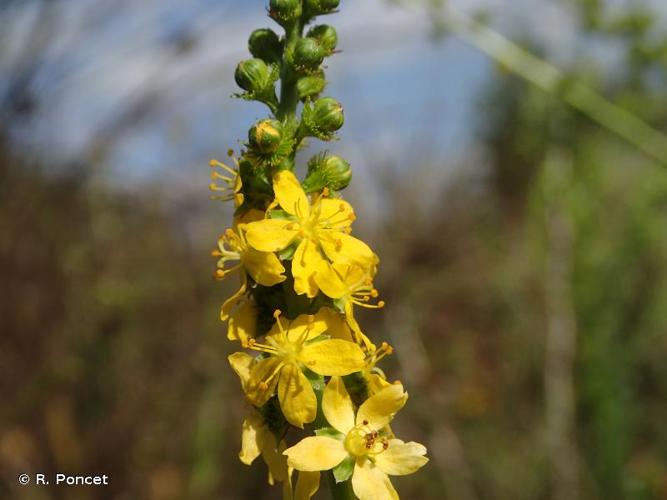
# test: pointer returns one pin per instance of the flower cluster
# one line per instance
(307, 367)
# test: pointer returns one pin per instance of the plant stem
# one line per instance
(545, 76)
(288, 92)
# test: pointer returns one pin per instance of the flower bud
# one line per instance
(265, 44)
(252, 75)
(326, 36)
(328, 114)
(327, 171)
(308, 54)
(285, 11)
(311, 86)
(317, 7)
(266, 135)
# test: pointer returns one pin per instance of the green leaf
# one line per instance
(316, 381)
(343, 470)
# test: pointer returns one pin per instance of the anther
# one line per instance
(365, 422)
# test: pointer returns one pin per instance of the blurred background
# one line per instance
(518, 203)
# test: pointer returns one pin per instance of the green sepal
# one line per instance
(329, 432)
(316, 381)
(279, 213)
(287, 253)
(343, 471)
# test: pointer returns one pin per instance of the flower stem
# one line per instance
(288, 93)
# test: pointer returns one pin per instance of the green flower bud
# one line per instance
(265, 44)
(327, 171)
(326, 36)
(328, 114)
(308, 54)
(311, 86)
(266, 135)
(285, 11)
(253, 75)
(317, 7)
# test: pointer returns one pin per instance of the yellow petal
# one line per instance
(332, 357)
(307, 485)
(242, 323)
(252, 215)
(306, 263)
(290, 194)
(335, 324)
(241, 363)
(316, 453)
(264, 267)
(376, 383)
(337, 214)
(297, 398)
(271, 235)
(253, 436)
(358, 335)
(274, 458)
(370, 483)
(343, 248)
(337, 405)
(263, 380)
(304, 327)
(330, 282)
(400, 458)
(229, 304)
(379, 409)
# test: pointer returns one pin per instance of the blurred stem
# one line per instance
(561, 334)
(540, 73)
(288, 93)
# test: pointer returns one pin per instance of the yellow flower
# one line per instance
(257, 439)
(263, 267)
(231, 182)
(360, 443)
(321, 230)
(375, 378)
(291, 346)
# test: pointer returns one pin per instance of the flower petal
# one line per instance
(332, 357)
(242, 323)
(370, 483)
(337, 214)
(306, 264)
(379, 409)
(346, 249)
(271, 235)
(400, 458)
(229, 304)
(337, 405)
(305, 327)
(296, 395)
(330, 282)
(316, 453)
(263, 380)
(290, 194)
(274, 458)
(264, 267)
(253, 436)
(307, 485)
(241, 363)
(336, 327)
